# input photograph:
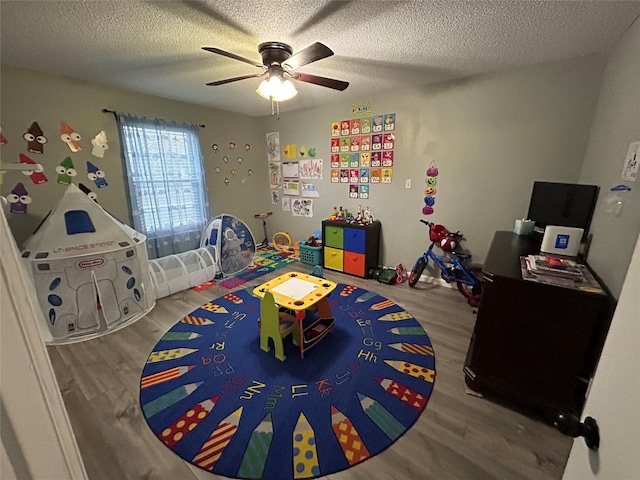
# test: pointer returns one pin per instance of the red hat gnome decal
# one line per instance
(36, 176)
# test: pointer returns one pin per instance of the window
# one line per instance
(166, 182)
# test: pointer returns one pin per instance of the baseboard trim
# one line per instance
(435, 281)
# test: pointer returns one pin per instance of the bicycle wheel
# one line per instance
(471, 292)
(416, 271)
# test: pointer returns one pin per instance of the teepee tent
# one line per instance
(231, 242)
(91, 271)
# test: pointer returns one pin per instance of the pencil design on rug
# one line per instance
(168, 399)
(255, 455)
(413, 348)
(305, 456)
(214, 308)
(348, 290)
(381, 417)
(164, 376)
(365, 296)
(232, 297)
(214, 447)
(423, 373)
(382, 305)
(394, 317)
(187, 422)
(354, 449)
(191, 320)
(180, 336)
(172, 354)
(410, 397)
(407, 331)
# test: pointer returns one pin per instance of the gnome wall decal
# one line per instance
(18, 199)
(3, 139)
(96, 175)
(99, 143)
(36, 176)
(35, 138)
(92, 195)
(69, 136)
(66, 171)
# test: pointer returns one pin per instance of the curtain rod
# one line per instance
(106, 110)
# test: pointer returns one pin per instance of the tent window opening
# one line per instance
(78, 221)
(166, 181)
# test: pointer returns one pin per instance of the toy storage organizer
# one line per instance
(351, 248)
(181, 271)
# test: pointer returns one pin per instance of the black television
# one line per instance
(564, 204)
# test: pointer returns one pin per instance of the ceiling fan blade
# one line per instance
(308, 55)
(234, 56)
(235, 79)
(322, 81)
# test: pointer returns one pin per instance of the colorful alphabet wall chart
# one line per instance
(362, 152)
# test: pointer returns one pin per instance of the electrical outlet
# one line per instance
(407, 183)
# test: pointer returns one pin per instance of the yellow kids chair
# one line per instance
(272, 326)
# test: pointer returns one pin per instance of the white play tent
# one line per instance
(232, 241)
(91, 271)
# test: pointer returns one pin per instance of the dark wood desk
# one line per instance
(534, 345)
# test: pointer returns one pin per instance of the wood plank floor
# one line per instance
(458, 436)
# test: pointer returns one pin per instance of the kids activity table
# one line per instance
(303, 293)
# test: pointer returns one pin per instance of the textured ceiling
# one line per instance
(155, 47)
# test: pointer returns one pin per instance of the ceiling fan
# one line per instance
(280, 63)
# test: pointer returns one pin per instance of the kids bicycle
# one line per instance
(453, 268)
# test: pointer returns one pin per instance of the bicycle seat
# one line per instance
(461, 256)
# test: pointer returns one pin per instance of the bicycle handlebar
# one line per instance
(448, 234)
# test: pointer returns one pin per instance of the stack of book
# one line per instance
(548, 265)
(558, 271)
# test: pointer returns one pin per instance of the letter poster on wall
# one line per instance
(362, 151)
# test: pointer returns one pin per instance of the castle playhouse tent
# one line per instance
(91, 271)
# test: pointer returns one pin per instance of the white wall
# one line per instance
(36, 436)
(615, 393)
(28, 96)
(491, 137)
(615, 126)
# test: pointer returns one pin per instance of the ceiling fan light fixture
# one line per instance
(276, 89)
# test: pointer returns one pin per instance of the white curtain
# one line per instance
(166, 181)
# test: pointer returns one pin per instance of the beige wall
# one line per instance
(616, 125)
(28, 96)
(491, 137)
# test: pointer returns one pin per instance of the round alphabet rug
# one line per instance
(213, 397)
